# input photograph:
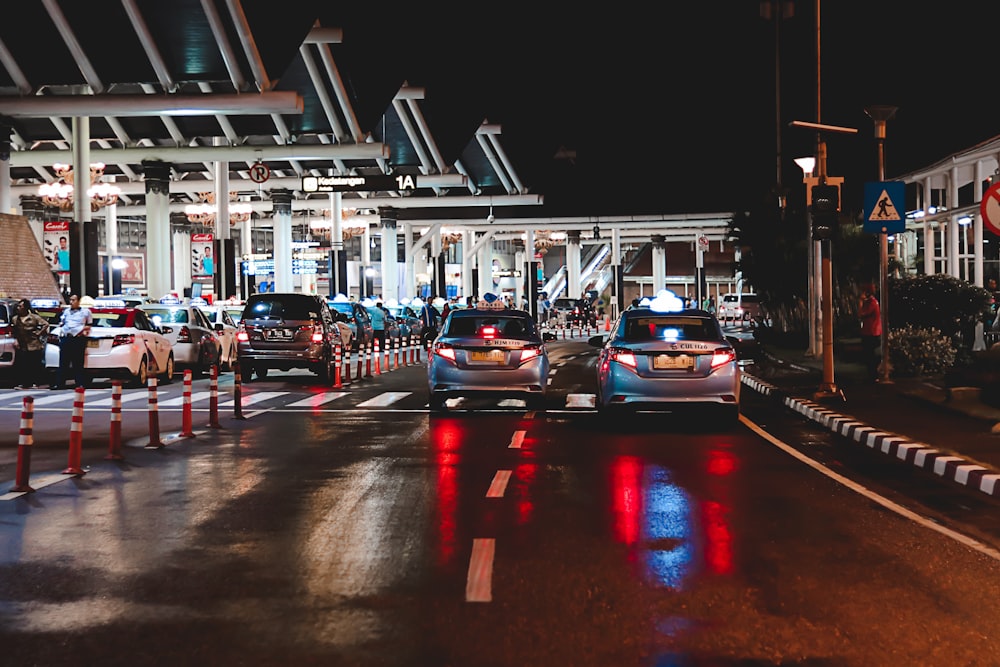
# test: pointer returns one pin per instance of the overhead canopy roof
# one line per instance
(166, 80)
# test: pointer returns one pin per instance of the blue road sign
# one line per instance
(885, 207)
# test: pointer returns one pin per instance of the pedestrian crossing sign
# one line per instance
(885, 207)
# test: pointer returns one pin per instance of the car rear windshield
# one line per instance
(290, 307)
(492, 325)
(110, 319)
(172, 315)
(660, 327)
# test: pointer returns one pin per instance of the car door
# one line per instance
(157, 346)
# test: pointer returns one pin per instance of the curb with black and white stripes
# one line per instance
(948, 466)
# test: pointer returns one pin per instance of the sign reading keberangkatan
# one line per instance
(358, 183)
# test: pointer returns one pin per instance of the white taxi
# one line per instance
(123, 343)
(225, 329)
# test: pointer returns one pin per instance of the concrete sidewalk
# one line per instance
(947, 431)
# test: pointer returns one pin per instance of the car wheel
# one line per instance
(168, 372)
(261, 372)
(246, 371)
(436, 403)
(141, 375)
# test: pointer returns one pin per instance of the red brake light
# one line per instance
(4, 329)
(184, 335)
(444, 350)
(624, 357)
(123, 339)
(488, 331)
(529, 353)
(317, 336)
(723, 356)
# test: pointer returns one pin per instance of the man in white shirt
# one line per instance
(74, 327)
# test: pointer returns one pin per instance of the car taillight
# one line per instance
(445, 351)
(317, 336)
(241, 333)
(488, 331)
(184, 335)
(530, 353)
(723, 356)
(122, 339)
(4, 329)
(623, 357)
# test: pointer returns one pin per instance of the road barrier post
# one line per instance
(362, 351)
(115, 437)
(154, 416)
(395, 354)
(76, 435)
(237, 393)
(368, 362)
(24, 442)
(213, 398)
(378, 363)
(338, 380)
(187, 428)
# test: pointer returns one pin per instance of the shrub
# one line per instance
(916, 351)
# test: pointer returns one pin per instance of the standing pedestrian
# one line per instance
(377, 315)
(870, 315)
(31, 332)
(74, 327)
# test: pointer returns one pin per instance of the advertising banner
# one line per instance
(202, 257)
(55, 244)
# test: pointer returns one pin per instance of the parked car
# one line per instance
(196, 345)
(287, 330)
(487, 351)
(410, 323)
(357, 318)
(739, 307)
(123, 343)
(8, 308)
(225, 329)
(662, 358)
(574, 311)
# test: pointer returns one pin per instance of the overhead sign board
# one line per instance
(989, 208)
(885, 207)
(358, 183)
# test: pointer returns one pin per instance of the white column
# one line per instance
(617, 299)
(659, 263)
(928, 228)
(157, 177)
(954, 229)
(977, 227)
(366, 261)
(519, 294)
(484, 258)
(573, 250)
(81, 209)
(281, 217)
(390, 258)
(223, 264)
(469, 262)
(410, 283)
(182, 261)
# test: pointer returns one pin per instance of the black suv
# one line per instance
(285, 331)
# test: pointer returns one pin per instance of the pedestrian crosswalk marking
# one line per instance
(126, 398)
(382, 400)
(195, 397)
(258, 397)
(317, 400)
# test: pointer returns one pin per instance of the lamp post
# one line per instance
(807, 165)
(881, 114)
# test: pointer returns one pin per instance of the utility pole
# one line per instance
(881, 114)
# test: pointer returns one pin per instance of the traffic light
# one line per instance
(825, 210)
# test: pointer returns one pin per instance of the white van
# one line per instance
(739, 307)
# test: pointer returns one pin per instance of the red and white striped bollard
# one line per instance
(115, 434)
(25, 440)
(76, 435)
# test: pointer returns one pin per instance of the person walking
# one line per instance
(870, 315)
(377, 315)
(74, 328)
(31, 332)
(430, 318)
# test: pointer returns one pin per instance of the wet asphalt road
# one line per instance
(360, 530)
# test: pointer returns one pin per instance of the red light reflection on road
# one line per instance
(715, 512)
(446, 441)
(524, 476)
(626, 499)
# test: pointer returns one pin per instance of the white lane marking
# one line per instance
(479, 582)
(871, 495)
(517, 440)
(499, 484)
(317, 400)
(384, 399)
(36, 483)
(195, 397)
(250, 399)
(581, 400)
(126, 398)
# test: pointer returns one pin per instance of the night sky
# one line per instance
(673, 110)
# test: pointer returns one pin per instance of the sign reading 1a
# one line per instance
(358, 183)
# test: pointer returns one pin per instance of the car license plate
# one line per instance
(277, 334)
(668, 362)
(494, 356)
(93, 343)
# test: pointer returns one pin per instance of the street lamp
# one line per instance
(807, 165)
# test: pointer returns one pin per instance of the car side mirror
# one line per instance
(219, 327)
